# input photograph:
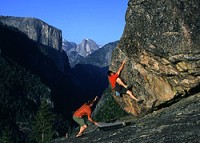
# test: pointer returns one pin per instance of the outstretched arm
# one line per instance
(89, 115)
(92, 121)
(121, 67)
(95, 99)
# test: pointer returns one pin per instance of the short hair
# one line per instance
(110, 72)
(89, 102)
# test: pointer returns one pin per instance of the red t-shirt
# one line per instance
(84, 110)
(112, 79)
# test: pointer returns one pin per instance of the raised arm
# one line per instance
(95, 99)
(89, 114)
(121, 67)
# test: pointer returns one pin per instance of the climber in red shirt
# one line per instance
(118, 85)
(84, 110)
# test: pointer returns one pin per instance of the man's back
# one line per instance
(83, 111)
(112, 79)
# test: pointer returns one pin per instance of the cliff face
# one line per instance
(49, 38)
(36, 30)
(160, 44)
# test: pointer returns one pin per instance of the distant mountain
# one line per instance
(67, 46)
(77, 53)
(100, 57)
(36, 30)
(48, 38)
(73, 56)
(86, 47)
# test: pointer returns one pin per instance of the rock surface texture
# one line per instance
(179, 123)
(48, 38)
(160, 44)
(36, 30)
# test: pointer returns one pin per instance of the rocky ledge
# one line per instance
(177, 123)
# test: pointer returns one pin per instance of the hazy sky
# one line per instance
(100, 20)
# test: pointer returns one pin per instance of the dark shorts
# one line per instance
(120, 89)
(80, 121)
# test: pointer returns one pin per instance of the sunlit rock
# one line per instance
(161, 47)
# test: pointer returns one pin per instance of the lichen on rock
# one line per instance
(160, 44)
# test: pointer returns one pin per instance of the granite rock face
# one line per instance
(36, 30)
(100, 57)
(78, 53)
(178, 123)
(161, 47)
(86, 47)
(49, 38)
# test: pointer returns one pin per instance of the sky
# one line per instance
(100, 20)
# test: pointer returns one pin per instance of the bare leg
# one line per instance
(120, 82)
(131, 95)
(82, 128)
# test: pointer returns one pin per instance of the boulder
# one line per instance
(160, 44)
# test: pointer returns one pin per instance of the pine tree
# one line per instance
(42, 127)
(6, 136)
